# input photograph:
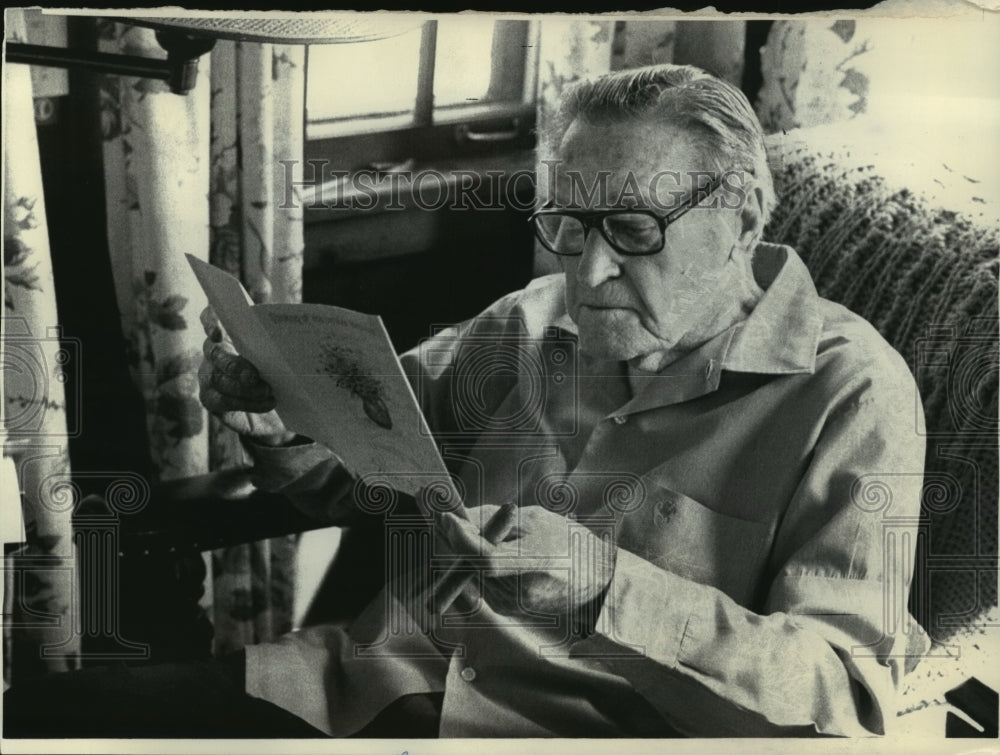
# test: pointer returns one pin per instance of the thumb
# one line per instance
(463, 536)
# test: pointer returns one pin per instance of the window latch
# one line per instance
(464, 134)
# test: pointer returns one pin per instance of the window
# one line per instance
(451, 87)
(422, 76)
(333, 73)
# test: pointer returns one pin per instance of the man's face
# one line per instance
(636, 308)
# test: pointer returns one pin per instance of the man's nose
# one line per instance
(599, 260)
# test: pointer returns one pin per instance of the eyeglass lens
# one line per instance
(631, 232)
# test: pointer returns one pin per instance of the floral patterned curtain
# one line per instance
(896, 92)
(812, 75)
(39, 595)
(202, 174)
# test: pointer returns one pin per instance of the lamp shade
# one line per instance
(304, 28)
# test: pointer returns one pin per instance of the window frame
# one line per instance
(426, 133)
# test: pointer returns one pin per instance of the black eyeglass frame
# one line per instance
(595, 219)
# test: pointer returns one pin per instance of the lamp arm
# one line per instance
(179, 70)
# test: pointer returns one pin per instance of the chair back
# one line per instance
(926, 278)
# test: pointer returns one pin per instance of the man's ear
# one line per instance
(751, 218)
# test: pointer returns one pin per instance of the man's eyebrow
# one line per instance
(570, 198)
(602, 207)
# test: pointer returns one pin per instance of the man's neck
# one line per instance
(748, 294)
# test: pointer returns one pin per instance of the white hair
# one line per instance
(717, 113)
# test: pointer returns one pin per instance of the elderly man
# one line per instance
(738, 583)
(717, 472)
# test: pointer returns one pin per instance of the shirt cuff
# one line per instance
(648, 610)
(279, 467)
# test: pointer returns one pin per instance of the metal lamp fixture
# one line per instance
(187, 38)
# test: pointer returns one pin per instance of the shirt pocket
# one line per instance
(675, 532)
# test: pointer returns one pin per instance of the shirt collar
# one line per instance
(696, 373)
(781, 334)
(779, 337)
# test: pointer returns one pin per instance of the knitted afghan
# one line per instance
(926, 278)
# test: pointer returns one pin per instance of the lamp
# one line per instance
(187, 38)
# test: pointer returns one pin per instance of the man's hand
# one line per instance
(233, 390)
(559, 564)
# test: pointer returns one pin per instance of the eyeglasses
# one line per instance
(632, 232)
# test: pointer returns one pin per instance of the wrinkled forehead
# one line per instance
(629, 163)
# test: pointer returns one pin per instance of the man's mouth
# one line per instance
(606, 306)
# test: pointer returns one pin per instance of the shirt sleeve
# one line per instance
(826, 653)
(309, 475)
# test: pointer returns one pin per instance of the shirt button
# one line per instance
(621, 419)
(468, 674)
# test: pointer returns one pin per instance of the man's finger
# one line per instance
(212, 326)
(478, 515)
(463, 536)
(211, 349)
(220, 403)
(211, 399)
(507, 561)
(501, 523)
(466, 538)
(222, 354)
(225, 360)
(214, 387)
(252, 389)
(231, 373)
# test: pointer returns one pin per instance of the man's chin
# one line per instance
(612, 334)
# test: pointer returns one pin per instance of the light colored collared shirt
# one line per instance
(764, 495)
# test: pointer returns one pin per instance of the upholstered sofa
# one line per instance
(912, 246)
